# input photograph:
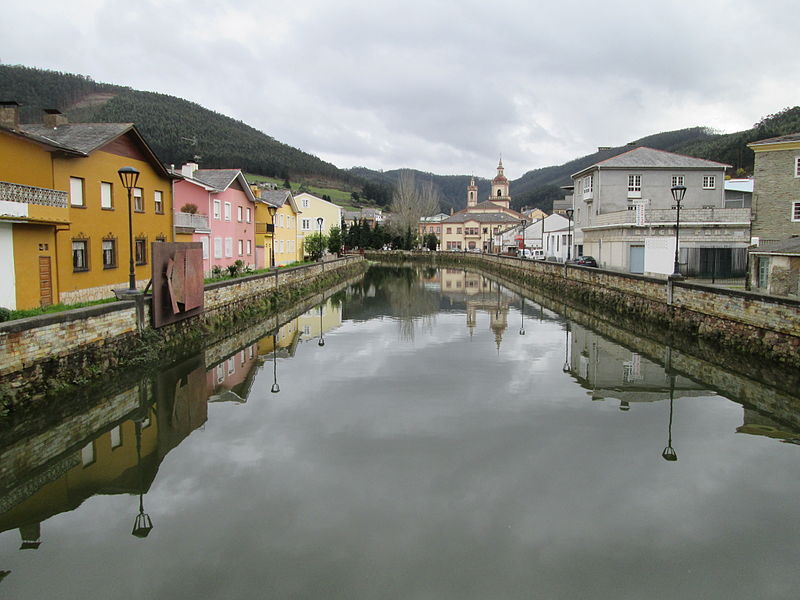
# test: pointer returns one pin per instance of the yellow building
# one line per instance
(69, 237)
(313, 209)
(276, 228)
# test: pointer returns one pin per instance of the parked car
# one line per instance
(586, 261)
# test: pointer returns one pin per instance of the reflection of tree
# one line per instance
(411, 303)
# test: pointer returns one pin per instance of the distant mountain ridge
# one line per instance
(178, 130)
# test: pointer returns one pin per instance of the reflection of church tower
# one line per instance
(472, 193)
(500, 194)
(498, 321)
(472, 318)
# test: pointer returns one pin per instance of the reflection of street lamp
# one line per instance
(275, 387)
(129, 176)
(321, 339)
(669, 452)
(522, 314)
(678, 192)
(569, 212)
(143, 525)
(566, 367)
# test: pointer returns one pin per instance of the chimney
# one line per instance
(54, 117)
(9, 114)
(189, 168)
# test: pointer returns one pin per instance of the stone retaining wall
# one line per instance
(39, 352)
(747, 322)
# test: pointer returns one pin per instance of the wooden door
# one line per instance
(45, 282)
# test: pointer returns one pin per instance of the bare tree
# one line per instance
(411, 202)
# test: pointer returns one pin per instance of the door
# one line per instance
(636, 259)
(45, 282)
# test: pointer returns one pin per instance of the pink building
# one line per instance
(225, 219)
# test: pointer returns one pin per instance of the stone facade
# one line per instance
(776, 193)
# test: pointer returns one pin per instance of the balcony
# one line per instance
(190, 221)
(267, 228)
(27, 194)
(667, 216)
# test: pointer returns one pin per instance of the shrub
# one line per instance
(189, 208)
(5, 313)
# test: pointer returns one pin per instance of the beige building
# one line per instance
(473, 228)
(312, 209)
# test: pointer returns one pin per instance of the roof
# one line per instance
(792, 137)
(496, 217)
(83, 137)
(276, 198)
(789, 246)
(739, 185)
(49, 143)
(220, 179)
(643, 157)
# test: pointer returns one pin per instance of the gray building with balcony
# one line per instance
(625, 215)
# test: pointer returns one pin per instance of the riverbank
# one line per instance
(733, 322)
(57, 353)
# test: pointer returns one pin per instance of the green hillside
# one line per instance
(177, 130)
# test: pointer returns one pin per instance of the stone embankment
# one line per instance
(742, 322)
(46, 354)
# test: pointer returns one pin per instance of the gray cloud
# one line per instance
(443, 86)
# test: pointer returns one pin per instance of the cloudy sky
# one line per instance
(440, 85)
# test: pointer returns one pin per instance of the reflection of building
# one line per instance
(479, 294)
(230, 379)
(609, 370)
(754, 423)
(53, 471)
(311, 324)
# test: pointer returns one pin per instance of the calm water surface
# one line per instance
(425, 449)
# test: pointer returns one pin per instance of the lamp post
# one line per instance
(272, 210)
(524, 225)
(321, 248)
(678, 192)
(321, 339)
(129, 177)
(569, 212)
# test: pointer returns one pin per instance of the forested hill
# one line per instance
(176, 129)
(539, 187)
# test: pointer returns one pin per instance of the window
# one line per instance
(204, 241)
(87, 454)
(797, 166)
(305, 224)
(217, 247)
(158, 202)
(588, 182)
(80, 255)
(634, 183)
(305, 202)
(458, 230)
(138, 200)
(239, 213)
(228, 247)
(227, 211)
(796, 210)
(141, 251)
(763, 272)
(709, 182)
(76, 192)
(280, 220)
(281, 243)
(248, 215)
(109, 254)
(449, 230)
(116, 437)
(677, 180)
(217, 209)
(241, 247)
(249, 248)
(106, 201)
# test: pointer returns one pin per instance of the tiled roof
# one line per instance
(789, 246)
(650, 158)
(498, 217)
(276, 198)
(792, 137)
(84, 137)
(216, 178)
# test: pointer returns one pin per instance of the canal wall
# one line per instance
(50, 354)
(743, 322)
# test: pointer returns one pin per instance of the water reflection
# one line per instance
(418, 444)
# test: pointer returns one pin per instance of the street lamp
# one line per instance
(272, 210)
(524, 225)
(129, 177)
(321, 249)
(569, 212)
(678, 192)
